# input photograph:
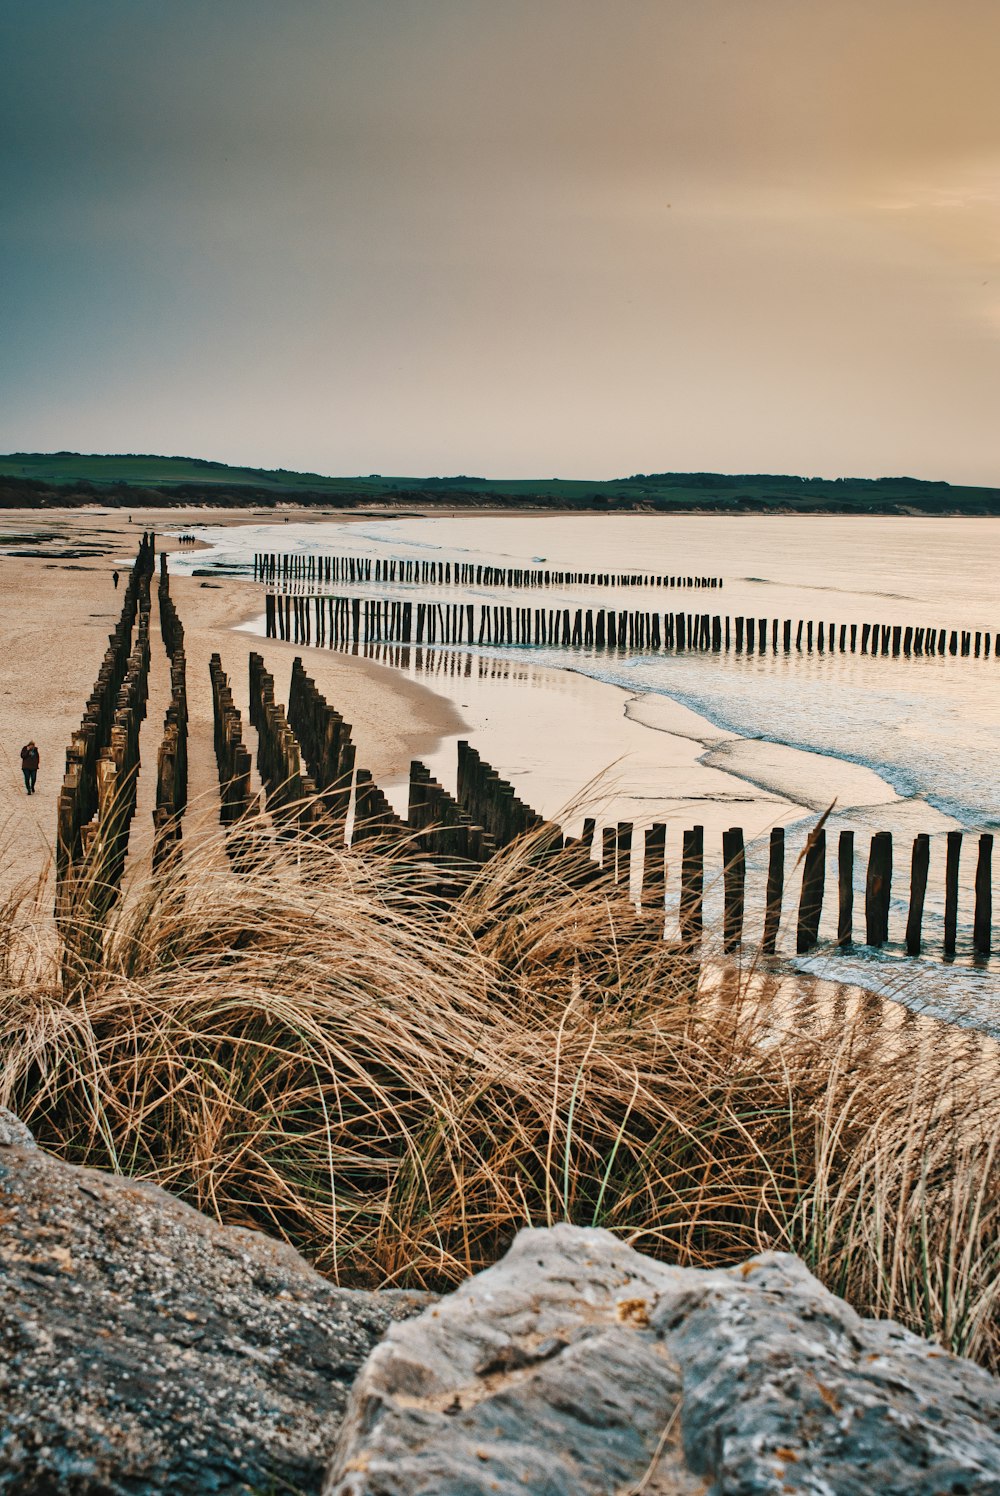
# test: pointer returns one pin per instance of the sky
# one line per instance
(514, 238)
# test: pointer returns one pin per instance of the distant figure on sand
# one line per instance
(29, 765)
(114, 578)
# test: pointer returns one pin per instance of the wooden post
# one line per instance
(982, 930)
(654, 866)
(692, 885)
(919, 864)
(885, 896)
(625, 854)
(954, 855)
(775, 890)
(845, 870)
(609, 852)
(734, 878)
(878, 888)
(811, 899)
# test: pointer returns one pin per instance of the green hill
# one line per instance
(46, 479)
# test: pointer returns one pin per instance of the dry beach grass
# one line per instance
(323, 1050)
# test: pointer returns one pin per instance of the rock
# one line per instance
(147, 1349)
(578, 1366)
(13, 1133)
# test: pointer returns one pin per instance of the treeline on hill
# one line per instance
(643, 492)
(33, 493)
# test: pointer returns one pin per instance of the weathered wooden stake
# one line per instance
(982, 930)
(952, 860)
(734, 877)
(775, 890)
(845, 871)
(625, 853)
(692, 885)
(878, 889)
(654, 866)
(811, 899)
(609, 852)
(918, 889)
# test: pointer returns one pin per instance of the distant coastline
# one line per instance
(34, 480)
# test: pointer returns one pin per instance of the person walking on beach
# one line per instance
(114, 578)
(29, 765)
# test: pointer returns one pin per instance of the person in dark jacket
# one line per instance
(114, 578)
(29, 765)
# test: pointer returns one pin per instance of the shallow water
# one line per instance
(929, 727)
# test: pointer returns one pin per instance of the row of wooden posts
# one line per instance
(292, 798)
(616, 851)
(325, 740)
(306, 760)
(97, 797)
(291, 568)
(486, 814)
(239, 802)
(172, 758)
(291, 793)
(354, 620)
(307, 763)
(348, 805)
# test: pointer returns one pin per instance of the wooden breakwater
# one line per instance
(291, 797)
(436, 823)
(491, 801)
(78, 795)
(486, 814)
(619, 851)
(307, 763)
(97, 797)
(324, 805)
(288, 569)
(239, 807)
(172, 758)
(326, 742)
(340, 620)
(332, 798)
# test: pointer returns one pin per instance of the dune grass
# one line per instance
(324, 1050)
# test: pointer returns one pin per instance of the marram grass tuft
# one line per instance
(395, 1084)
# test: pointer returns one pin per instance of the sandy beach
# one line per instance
(565, 739)
(55, 615)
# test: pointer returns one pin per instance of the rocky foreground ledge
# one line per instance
(146, 1349)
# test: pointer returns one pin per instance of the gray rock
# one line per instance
(13, 1133)
(578, 1366)
(146, 1349)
